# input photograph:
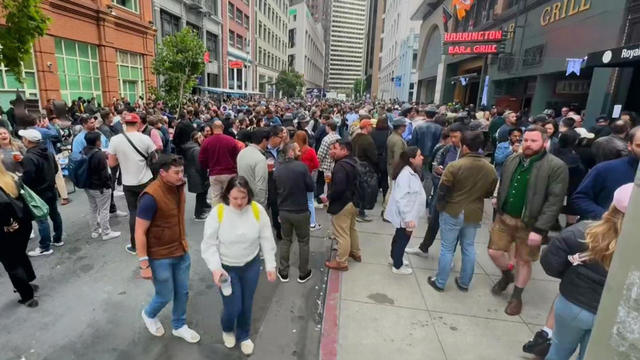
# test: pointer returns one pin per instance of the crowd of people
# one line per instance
(261, 168)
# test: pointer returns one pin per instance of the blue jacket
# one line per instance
(49, 134)
(594, 195)
(426, 136)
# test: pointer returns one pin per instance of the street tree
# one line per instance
(178, 63)
(290, 83)
(25, 22)
(358, 88)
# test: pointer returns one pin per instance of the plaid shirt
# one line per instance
(326, 162)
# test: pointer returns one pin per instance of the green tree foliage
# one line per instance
(358, 88)
(179, 61)
(25, 22)
(290, 83)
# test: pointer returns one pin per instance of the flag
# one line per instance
(462, 6)
(446, 16)
(574, 66)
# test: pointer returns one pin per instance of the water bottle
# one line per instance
(225, 285)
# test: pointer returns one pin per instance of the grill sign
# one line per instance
(472, 49)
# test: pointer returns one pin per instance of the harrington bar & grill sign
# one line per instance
(467, 43)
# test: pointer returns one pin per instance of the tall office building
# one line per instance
(347, 44)
(237, 53)
(306, 46)
(271, 41)
(399, 54)
(371, 54)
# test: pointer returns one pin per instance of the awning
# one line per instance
(618, 57)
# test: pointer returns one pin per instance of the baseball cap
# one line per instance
(364, 123)
(621, 197)
(132, 118)
(31, 135)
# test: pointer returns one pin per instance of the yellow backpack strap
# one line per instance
(220, 209)
(256, 210)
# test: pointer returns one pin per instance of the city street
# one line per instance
(91, 297)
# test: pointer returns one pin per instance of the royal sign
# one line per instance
(472, 49)
(476, 36)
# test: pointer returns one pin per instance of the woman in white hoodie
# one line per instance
(234, 234)
(406, 205)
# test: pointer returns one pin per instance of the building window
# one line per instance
(292, 38)
(239, 14)
(246, 21)
(195, 29)
(292, 62)
(212, 6)
(128, 4)
(130, 75)
(239, 41)
(78, 70)
(231, 9)
(9, 83)
(212, 80)
(232, 39)
(212, 46)
(414, 60)
(170, 23)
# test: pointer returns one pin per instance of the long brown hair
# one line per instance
(8, 182)
(302, 140)
(602, 236)
(410, 153)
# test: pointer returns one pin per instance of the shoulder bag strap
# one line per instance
(145, 157)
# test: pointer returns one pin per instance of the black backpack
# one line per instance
(366, 189)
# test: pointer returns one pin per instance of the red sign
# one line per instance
(206, 57)
(476, 36)
(472, 49)
(236, 64)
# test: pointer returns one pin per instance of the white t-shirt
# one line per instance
(133, 166)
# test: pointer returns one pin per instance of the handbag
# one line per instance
(39, 209)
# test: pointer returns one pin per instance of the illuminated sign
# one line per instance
(236, 64)
(562, 9)
(476, 36)
(472, 49)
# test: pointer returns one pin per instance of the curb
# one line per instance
(329, 337)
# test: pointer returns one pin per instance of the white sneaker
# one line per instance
(404, 270)
(187, 334)
(247, 347)
(95, 234)
(416, 251)
(229, 339)
(405, 262)
(315, 227)
(153, 325)
(317, 206)
(39, 252)
(119, 213)
(111, 235)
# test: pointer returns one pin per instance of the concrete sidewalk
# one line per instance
(371, 313)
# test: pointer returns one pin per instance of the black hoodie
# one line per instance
(343, 184)
(39, 168)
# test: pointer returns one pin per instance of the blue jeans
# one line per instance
(171, 280)
(43, 225)
(573, 328)
(452, 231)
(236, 312)
(398, 244)
(312, 209)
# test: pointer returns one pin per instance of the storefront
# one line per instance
(530, 74)
(627, 60)
(95, 51)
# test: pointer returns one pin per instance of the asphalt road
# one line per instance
(91, 297)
